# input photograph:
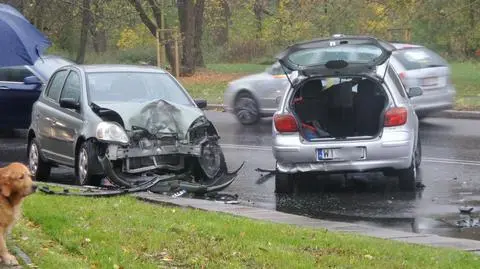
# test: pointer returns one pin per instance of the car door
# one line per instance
(17, 97)
(272, 88)
(67, 122)
(44, 115)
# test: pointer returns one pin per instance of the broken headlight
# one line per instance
(111, 132)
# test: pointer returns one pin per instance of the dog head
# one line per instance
(16, 179)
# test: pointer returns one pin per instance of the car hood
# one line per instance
(157, 117)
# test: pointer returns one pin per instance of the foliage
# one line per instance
(76, 232)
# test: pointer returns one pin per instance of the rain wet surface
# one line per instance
(450, 169)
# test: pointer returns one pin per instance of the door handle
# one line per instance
(4, 88)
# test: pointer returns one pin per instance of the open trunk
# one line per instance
(340, 108)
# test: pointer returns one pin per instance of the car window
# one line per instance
(14, 73)
(134, 87)
(56, 85)
(72, 87)
(398, 83)
(418, 58)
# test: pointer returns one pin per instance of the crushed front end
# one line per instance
(167, 139)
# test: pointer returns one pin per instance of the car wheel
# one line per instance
(418, 153)
(407, 178)
(284, 183)
(83, 162)
(246, 109)
(38, 167)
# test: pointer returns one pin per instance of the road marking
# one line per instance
(424, 159)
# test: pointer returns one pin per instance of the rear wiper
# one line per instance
(435, 65)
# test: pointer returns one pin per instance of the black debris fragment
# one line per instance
(466, 210)
(264, 178)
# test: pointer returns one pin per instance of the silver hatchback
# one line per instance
(345, 111)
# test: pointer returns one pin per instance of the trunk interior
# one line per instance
(345, 109)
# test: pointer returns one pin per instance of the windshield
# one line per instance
(418, 58)
(134, 87)
(47, 66)
(348, 53)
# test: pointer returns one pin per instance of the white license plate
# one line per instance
(430, 81)
(350, 154)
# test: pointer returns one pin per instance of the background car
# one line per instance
(253, 97)
(419, 66)
(20, 87)
(362, 122)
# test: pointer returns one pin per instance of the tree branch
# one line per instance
(144, 17)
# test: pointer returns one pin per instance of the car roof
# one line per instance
(400, 46)
(120, 68)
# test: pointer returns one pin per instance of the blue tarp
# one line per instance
(21, 43)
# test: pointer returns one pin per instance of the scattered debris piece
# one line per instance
(466, 210)
(264, 178)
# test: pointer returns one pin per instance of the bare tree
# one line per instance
(84, 31)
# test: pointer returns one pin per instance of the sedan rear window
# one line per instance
(134, 87)
(418, 58)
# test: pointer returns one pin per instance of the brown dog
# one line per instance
(15, 184)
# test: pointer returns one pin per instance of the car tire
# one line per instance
(38, 167)
(86, 156)
(246, 109)
(418, 153)
(407, 178)
(284, 183)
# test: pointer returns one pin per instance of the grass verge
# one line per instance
(78, 232)
(210, 83)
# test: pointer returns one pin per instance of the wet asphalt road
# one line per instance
(450, 168)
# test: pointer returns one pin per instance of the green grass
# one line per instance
(466, 78)
(78, 232)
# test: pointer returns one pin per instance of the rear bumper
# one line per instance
(392, 151)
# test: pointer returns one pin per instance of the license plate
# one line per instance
(430, 81)
(347, 154)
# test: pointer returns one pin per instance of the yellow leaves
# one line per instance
(135, 37)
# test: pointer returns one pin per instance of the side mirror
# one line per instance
(69, 103)
(201, 103)
(414, 92)
(32, 80)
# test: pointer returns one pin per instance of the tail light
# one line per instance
(285, 123)
(396, 116)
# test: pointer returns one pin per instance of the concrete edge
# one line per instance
(302, 221)
(449, 114)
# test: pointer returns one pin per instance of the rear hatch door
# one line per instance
(342, 55)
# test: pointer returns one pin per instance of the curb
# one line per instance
(334, 226)
(448, 114)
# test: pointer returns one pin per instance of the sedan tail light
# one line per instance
(285, 123)
(396, 116)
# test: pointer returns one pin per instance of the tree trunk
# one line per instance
(84, 31)
(186, 16)
(199, 12)
(152, 27)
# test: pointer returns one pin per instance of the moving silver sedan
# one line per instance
(418, 66)
(255, 96)
(346, 111)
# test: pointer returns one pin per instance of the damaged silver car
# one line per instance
(126, 123)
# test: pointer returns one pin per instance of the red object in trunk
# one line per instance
(285, 123)
(396, 116)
